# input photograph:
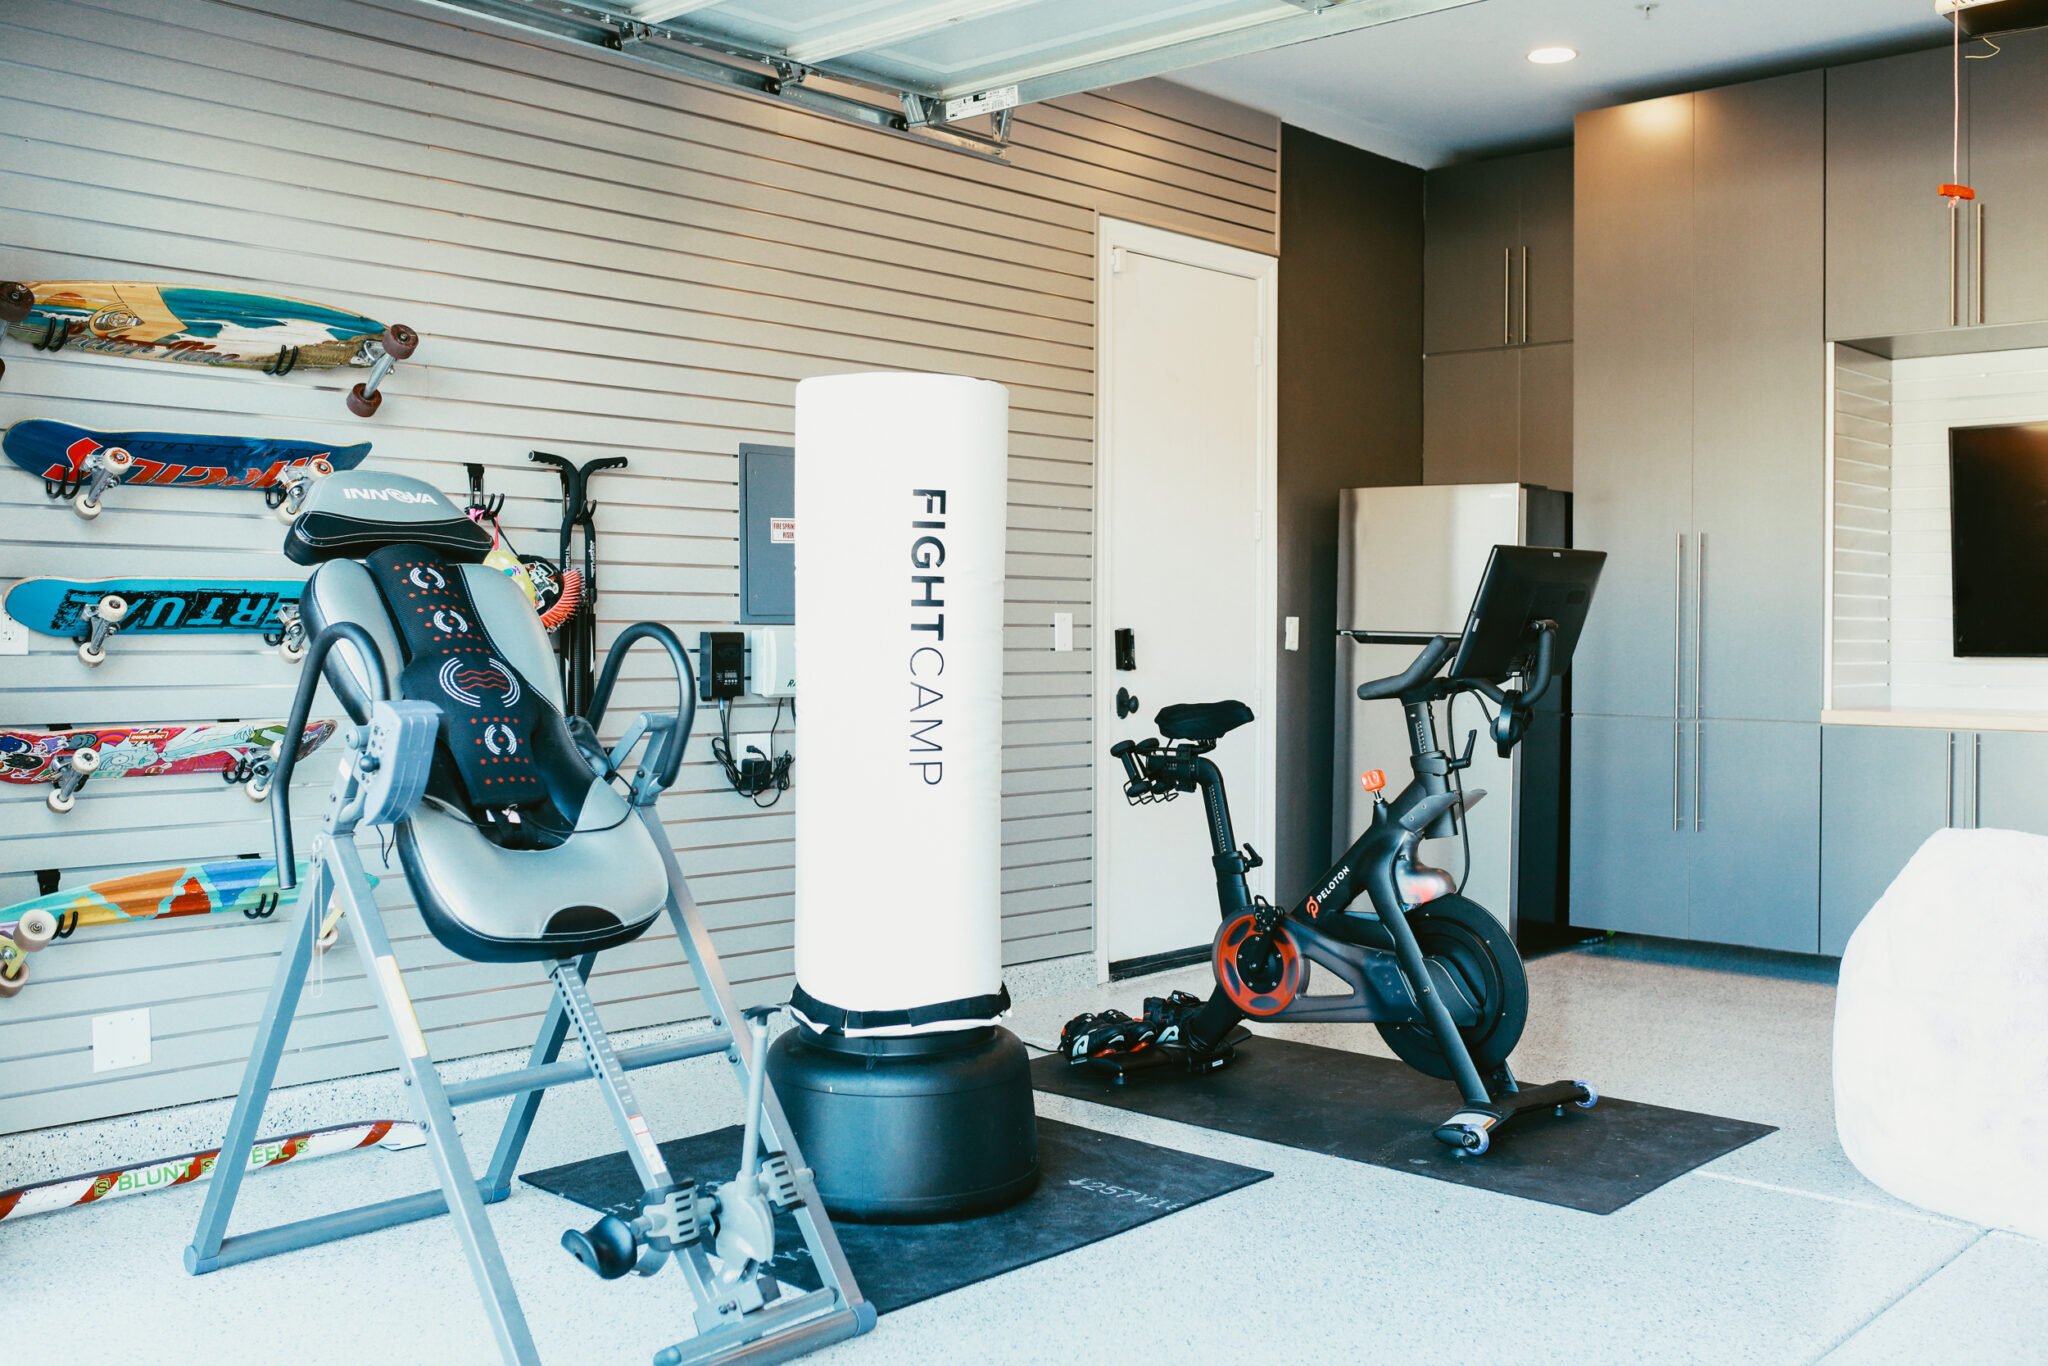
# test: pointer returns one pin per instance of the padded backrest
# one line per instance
(520, 850)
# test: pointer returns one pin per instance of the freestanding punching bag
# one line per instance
(911, 1101)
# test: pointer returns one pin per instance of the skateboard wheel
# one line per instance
(117, 458)
(400, 341)
(34, 930)
(13, 976)
(362, 404)
(85, 760)
(90, 656)
(320, 467)
(258, 787)
(286, 513)
(293, 651)
(60, 802)
(85, 507)
(113, 607)
(15, 301)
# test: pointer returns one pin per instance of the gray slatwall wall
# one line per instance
(603, 260)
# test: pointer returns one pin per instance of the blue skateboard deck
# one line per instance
(57, 452)
(57, 607)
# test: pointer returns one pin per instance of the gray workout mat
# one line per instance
(1091, 1185)
(1375, 1110)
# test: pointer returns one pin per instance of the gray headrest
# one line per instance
(354, 512)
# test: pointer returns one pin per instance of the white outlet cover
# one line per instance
(120, 1040)
(13, 636)
(1294, 633)
(1062, 631)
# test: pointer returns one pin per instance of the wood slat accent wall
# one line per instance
(603, 260)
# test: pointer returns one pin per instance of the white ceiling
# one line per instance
(1456, 84)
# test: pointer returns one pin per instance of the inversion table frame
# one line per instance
(381, 780)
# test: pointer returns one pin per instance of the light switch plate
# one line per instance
(120, 1040)
(1294, 633)
(1062, 631)
(13, 636)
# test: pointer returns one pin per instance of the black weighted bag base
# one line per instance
(917, 1129)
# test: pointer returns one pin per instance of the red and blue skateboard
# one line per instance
(79, 464)
(92, 611)
(195, 325)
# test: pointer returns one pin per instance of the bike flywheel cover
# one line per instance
(1261, 974)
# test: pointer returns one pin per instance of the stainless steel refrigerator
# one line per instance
(1409, 559)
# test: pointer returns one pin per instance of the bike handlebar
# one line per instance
(1421, 671)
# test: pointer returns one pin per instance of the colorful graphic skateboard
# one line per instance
(231, 886)
(43, 1197)
(93, 611)
(80, 464)
(239, 751)
(194, 325)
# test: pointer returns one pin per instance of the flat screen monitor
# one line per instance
(1522, 585)
(1998, 539)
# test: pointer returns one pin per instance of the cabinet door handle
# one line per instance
(1677, 670)
(1976, 776)
(1507, 294)
(1699, 761)
(1977, 259)
(1525, 293)
(1954, 265)
(1948, 802)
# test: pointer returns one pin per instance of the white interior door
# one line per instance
(1185, 561)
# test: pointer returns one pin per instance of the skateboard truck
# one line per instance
(290, 635)
(287, 497)
(79, 766)
(102, 620)
(399, 343)
(103, 469)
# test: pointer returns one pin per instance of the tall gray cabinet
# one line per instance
(1700, 407)
(1497, 321)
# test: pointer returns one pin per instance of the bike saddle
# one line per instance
(1201, 720)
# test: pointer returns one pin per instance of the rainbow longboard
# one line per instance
(247, 887)
(197, 325)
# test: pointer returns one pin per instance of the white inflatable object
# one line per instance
(902, 486)
(1941, 1032)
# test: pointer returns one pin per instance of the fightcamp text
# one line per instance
(928, 616)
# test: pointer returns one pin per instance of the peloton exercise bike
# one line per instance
(1436, 972)
(522, 839)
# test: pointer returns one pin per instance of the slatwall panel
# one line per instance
(603, 260)
(1929, 396)
(1862, 530)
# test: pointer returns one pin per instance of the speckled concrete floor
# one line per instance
(1779, 1252)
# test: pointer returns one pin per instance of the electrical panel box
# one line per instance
(773, 668)
(721, 665)
(767, 534)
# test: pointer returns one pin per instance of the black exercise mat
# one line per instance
(1376, 1110)
(1091, 1185)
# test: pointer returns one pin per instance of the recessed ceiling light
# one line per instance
(1551, 56)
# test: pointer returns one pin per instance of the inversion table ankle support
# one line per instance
(518, 845)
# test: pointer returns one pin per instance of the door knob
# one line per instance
(1126, 703)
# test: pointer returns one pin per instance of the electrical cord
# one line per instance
(754, 773)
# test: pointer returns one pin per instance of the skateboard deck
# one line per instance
(58, 607)
(238, 751)
(57, 452)
(246, 886)
(42, 1197)
(192, 325)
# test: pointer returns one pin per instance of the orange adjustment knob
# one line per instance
(1956, 192)
(1373, 780)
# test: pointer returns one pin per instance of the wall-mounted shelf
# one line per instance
(1931, 719)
